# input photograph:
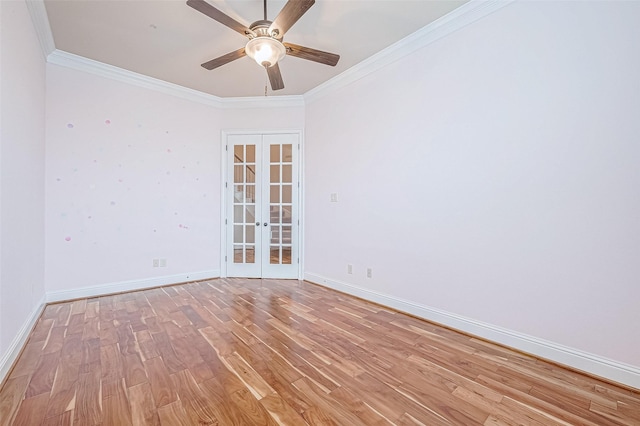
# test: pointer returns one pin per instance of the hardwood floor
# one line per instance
(267, 352)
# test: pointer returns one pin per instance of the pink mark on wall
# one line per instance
(67, 238)
(69, 126)
(107, 122)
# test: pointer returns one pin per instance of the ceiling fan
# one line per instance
(265, 43)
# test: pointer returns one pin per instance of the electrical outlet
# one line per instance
(334, 197)
(369, 273)
(349, 269)
(156, 263)
(163, 263)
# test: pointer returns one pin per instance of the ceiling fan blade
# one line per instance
(289, 15)
(224, 59)
(213, 13)
(312, 54)
(275, 77)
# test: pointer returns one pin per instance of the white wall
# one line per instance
(22, 150)
(134, 175)
(493, 175)
(284, 118)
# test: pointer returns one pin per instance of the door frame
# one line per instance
(224, 187)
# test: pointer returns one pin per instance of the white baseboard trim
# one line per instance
(12, 353)
(615, 371)
(119, 287)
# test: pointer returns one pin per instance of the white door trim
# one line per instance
(224, 186)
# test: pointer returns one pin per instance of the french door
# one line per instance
(262, 199)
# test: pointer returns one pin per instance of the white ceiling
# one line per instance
(168, 40)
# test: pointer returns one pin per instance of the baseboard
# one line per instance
(608, 369)
(12, 353)
(119, 287)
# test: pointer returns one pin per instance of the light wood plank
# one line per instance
(32, 411)
(161, 386)
(143, 408)
(88, 403)
(115, 403)
(11, 398)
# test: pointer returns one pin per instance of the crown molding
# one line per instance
(80, 63)
(40, 21)
(442, 27)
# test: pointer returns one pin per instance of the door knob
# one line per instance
(257, 223)
(265, 224)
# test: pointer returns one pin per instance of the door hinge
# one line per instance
(226, 147)
(225, 221)
(298, 222)
(225, 184)
(225, 259)
(298, 260)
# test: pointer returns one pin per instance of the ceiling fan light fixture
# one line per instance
(265, 50)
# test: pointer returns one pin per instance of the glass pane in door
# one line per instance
(244, 207)
(280, 203)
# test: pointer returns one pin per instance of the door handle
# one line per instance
(265, 224)
(257, 223)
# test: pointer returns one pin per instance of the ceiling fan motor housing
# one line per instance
(266, 49)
